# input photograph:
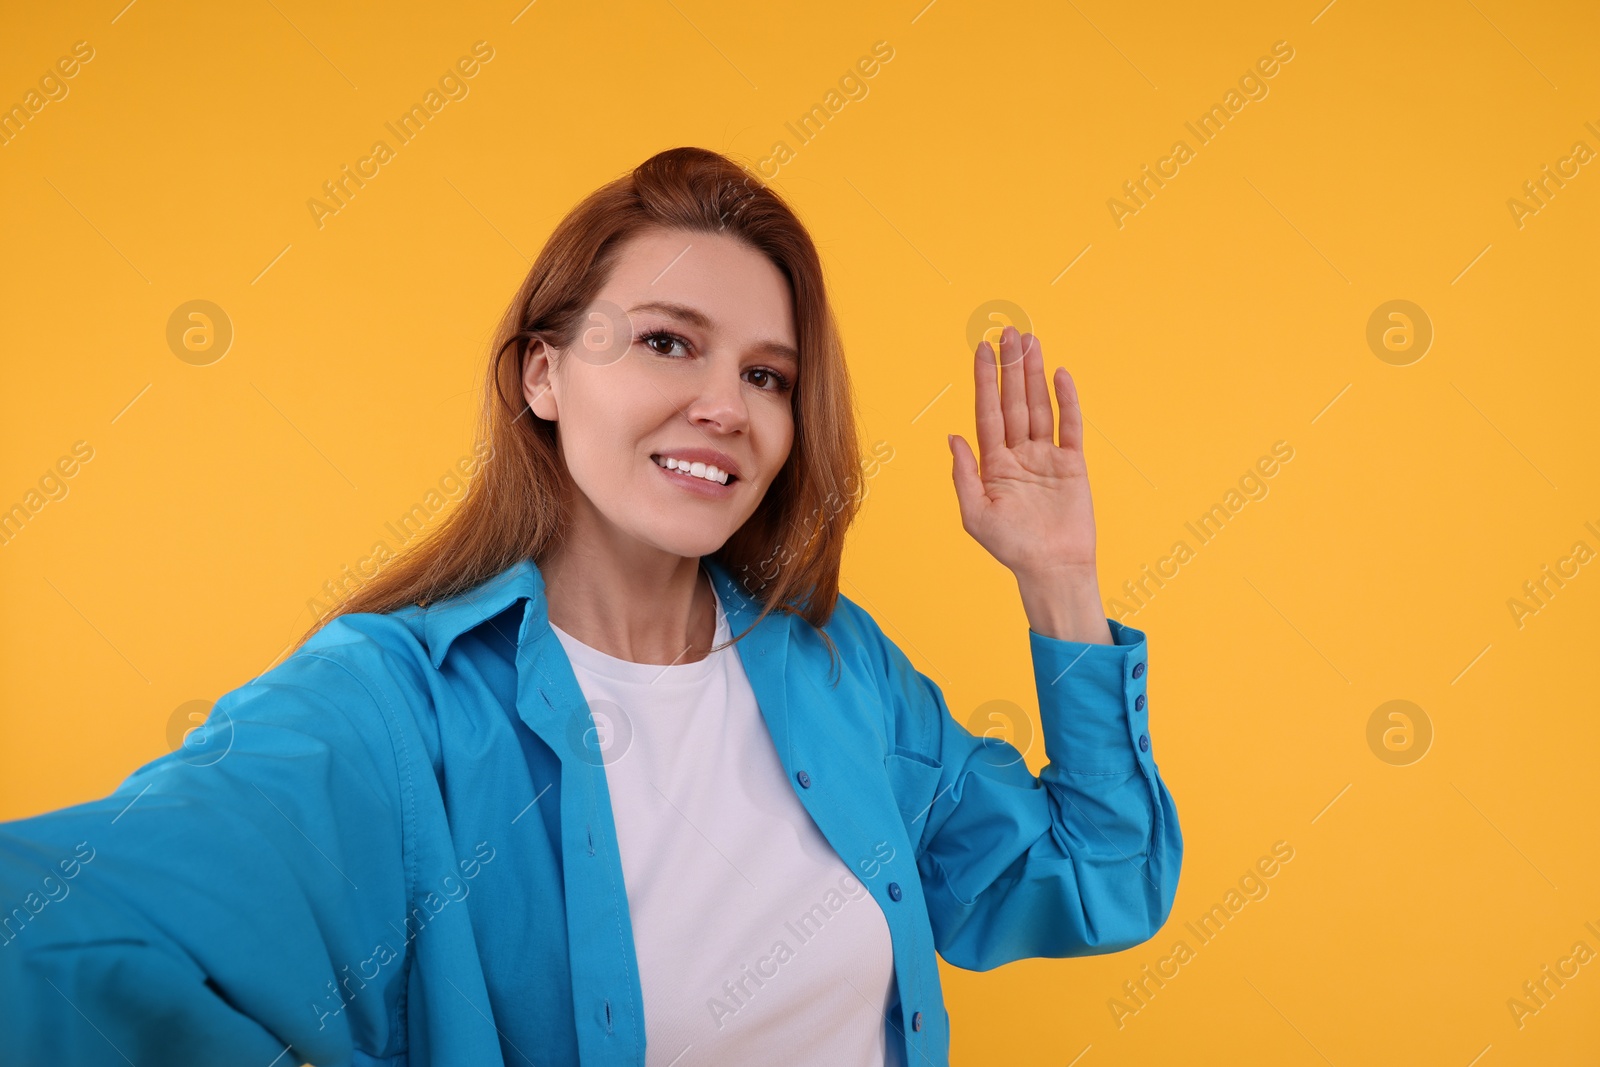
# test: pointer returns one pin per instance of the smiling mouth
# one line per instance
(703, 471)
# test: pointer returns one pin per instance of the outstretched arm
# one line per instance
(222, 905)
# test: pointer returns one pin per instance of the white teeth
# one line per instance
(705, 471)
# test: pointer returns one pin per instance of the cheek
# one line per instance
(771, 433)
(783, 436)
(603, 417)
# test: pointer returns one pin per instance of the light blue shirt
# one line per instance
(396, 847)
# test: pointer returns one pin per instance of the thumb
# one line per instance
(969, 485)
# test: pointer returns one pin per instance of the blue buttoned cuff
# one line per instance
(1092, 704)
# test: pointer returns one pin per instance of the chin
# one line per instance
(691, 543)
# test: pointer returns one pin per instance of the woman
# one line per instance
(520, 800)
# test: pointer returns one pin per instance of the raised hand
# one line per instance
(1028, 502)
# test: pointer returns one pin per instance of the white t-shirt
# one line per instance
(756, 943)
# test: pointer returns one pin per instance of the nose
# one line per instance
(718, 402)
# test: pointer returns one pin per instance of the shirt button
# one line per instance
(805, 779)
(894, 890)
(916, 1020)
(1138, 670)
(1144, 743)
(1138, 702)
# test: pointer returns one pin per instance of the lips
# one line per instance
(701, 471)
(696, 462)
(701, 487)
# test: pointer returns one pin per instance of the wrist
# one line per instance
(1060, 574)
(1064, 603)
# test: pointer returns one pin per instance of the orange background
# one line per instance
(1230, 312)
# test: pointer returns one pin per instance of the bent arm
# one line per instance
(1082, 859)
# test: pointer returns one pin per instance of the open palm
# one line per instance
(1029, 503)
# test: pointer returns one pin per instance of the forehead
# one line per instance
(741, 291)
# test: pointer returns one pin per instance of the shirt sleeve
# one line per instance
(1082, 859)
(223, 904)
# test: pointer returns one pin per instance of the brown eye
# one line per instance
(650, 339)
(771, 380)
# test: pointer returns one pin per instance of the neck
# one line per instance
(658, 611)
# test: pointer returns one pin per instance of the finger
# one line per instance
(1013, 387)
(1041, 417)
(969, 485)
(986, 394)
(1071, 413)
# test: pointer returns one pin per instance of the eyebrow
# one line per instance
(699, 319)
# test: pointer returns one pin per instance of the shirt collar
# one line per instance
(448, 619)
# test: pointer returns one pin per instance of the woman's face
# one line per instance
(688, 354)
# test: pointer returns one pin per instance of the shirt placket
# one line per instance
(606, 991)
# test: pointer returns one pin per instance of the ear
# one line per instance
(537, 382)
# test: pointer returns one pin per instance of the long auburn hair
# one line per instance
(788, 553)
